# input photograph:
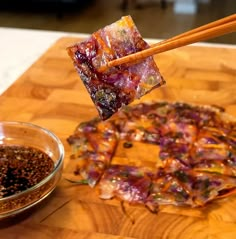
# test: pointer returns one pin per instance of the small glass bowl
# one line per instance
(27, 134)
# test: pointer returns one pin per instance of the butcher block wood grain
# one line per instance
(50, 94)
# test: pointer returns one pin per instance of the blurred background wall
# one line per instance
(154, 18)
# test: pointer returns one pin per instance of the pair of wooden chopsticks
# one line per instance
(214, 29)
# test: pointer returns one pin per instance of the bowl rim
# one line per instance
(57, 166)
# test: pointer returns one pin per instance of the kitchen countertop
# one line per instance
(19, 48)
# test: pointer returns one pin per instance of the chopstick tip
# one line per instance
(102, 68)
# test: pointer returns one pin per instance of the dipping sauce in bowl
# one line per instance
(31, 161)
(22, 167)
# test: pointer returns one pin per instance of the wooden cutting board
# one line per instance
(51, 95)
